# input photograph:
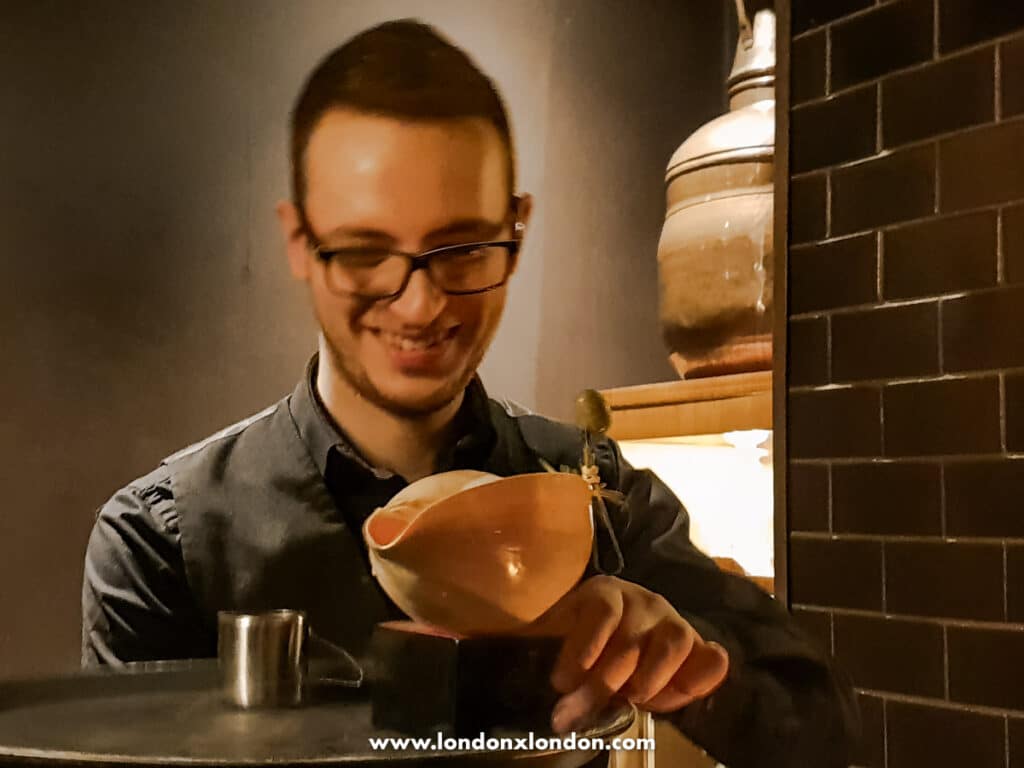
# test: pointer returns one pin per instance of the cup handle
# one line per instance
(345, 671)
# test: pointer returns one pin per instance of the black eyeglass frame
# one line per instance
(417, 261)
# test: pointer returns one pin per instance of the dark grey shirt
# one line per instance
(268, 514)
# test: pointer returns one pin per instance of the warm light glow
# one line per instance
(725, 483)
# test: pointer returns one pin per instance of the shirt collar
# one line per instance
(322, 436)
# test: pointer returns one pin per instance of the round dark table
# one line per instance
(177, 718)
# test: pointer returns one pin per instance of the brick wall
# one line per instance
(906, 366)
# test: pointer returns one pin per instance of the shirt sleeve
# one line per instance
(784, 703)
(136, 603)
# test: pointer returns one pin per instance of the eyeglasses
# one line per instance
(380, 273)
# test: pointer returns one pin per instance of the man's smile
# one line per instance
(415, 341)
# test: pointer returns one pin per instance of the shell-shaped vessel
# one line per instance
(476, 554)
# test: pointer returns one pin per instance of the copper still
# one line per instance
(715, 254)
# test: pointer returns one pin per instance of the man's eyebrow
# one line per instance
(359, 233)
(478, 227)
(482, 227)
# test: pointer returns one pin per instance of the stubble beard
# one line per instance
(356, 377)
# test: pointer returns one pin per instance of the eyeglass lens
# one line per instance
(455, 270)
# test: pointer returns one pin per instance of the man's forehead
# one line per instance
(365, 171)
(363, 142)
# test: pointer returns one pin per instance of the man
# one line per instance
(405, 226)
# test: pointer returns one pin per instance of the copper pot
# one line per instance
(715, 260)
(476, 554)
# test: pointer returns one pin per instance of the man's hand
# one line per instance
(621, 639)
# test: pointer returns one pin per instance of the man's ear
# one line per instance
(524, 207)
(296, 245)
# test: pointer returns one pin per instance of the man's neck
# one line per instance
(409, 447)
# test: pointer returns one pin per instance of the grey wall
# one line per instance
(145, 298)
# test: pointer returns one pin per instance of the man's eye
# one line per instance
(362, 257)
(467, 254)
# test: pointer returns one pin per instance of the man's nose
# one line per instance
(421, 301)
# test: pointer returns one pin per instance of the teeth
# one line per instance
(406, 343)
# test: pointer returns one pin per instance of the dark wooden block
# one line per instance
(423, 681)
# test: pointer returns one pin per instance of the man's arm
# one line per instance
(783, 703)
(136, 604)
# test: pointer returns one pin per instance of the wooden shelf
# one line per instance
(692, 407)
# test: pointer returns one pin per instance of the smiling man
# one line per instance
(405, 225)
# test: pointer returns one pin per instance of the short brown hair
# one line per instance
(400, 69)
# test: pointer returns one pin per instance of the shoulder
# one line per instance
(226, 437)
(151, 497)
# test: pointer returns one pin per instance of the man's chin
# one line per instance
(417, 401)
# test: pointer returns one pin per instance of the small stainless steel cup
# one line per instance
(262, 657)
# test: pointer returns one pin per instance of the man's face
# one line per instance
(375, 182)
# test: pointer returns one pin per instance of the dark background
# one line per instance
(145, 296)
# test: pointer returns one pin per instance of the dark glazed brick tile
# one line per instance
(947, 579)
(1015, 413)
(982, 167)
(807, 209)
(966, 22)
(817, 625)
(939, 98)
(942, 417)
(943, 738)
(885, 190)
(892, 36)
(808, 352)
(891, 342)
(842, 422)
(808, 497)
(891, 654)
(983, 498)
(887, 498)
(1016, 742)
(940, 256)
(834, 131)
(1015, 583)
(807, 67)
(807, 14)
(872, 735)
(985, 667)
(1013, 243)
(1012, 71)
(978, 331)
(845, 574)
(842, 273)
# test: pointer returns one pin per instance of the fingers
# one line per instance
(666, 649)
(611, 672)
(599, 611)
(703, 671)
